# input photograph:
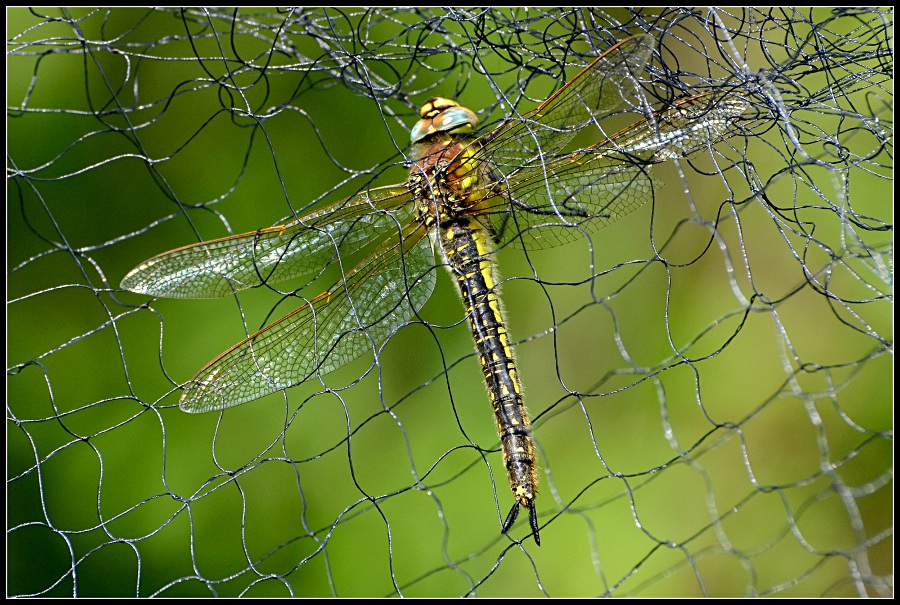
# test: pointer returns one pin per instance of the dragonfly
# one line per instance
(465, 195)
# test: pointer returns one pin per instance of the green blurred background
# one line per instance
(783, 414)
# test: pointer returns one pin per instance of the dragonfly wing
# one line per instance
(597, 91)
(552, 203)
(359, 313)
(686, 127)
(220, 267)
(568, 199)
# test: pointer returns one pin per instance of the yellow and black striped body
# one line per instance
(467, 248)
(446, 187)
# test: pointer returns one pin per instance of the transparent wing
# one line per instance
(219, 267)
(359, 312)
(595, 92)
(552, 202)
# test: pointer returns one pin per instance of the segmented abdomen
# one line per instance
(467, 249)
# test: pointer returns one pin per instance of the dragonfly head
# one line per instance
(443, 115)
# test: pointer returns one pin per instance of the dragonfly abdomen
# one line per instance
(467, 249)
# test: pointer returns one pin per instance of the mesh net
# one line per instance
(709, 380)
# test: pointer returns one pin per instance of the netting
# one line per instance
(709, 379)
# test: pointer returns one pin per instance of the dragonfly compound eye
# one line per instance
(443, 115)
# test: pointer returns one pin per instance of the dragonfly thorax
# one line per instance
(445, 182)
